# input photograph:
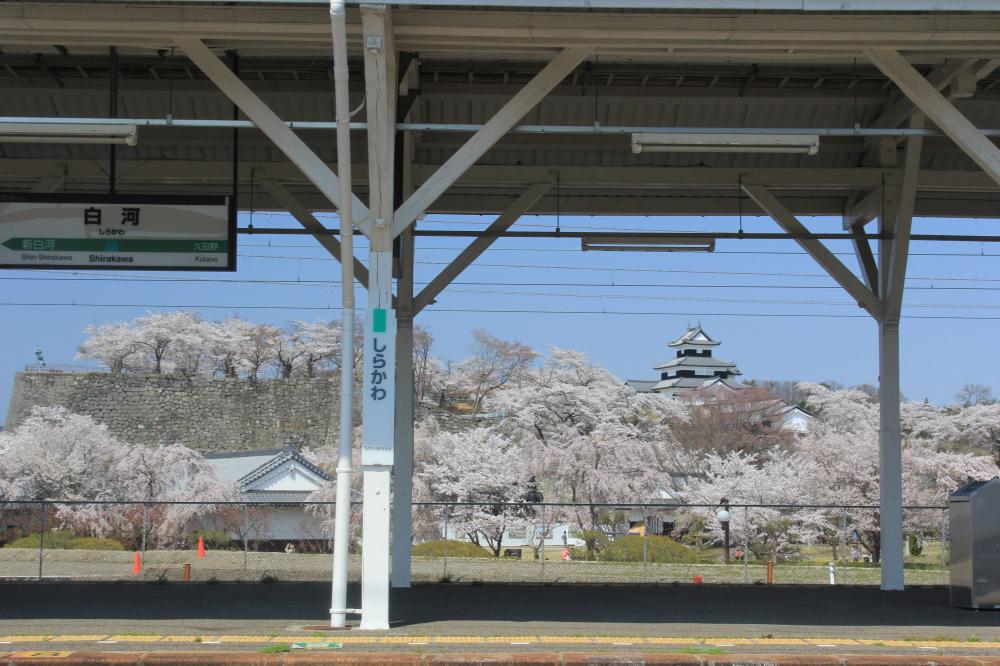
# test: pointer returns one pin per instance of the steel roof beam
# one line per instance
(270, 124)
(476, 248)
(938, 109)
(484, 139)
(826, 259)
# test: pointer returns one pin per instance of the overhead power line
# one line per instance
(463, 283)
(215, 306)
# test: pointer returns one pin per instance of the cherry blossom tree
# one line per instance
(724, 420)
(482, 470)
(58, 455)
(113, 345)
(844, 451)
(172, 341)
(749, 478)
(590, 438)
(428, 374)
(492, 365)
(307, 348)
(978, 426)
(238, 347)
(974, 394)
(55, 453)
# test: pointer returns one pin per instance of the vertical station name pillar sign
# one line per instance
(378, 436)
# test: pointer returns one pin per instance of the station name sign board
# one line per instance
(117, 232)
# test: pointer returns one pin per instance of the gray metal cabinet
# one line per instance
(975, 544)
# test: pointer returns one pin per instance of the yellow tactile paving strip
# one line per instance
(488, 640)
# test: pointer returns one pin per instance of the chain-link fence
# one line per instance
(461, 542)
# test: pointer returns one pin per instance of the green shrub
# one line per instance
(453, 549)
(93, 543)
(213, 540)
(659, 549)
(915, 547)
(63, 540)
(595, 541)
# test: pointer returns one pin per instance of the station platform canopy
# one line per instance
(756, 66)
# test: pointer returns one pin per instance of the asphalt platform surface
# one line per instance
(780, 619)
(688, 610)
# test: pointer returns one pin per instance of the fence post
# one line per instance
(41, 537)
(943, 575)
(746, 544)
(246, 539)
(645, 546)
(444, 575)
(541, 546)
(843, 545)
(142, 545)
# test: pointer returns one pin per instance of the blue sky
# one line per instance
(742, 294)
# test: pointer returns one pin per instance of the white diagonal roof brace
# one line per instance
(892, 297)
(518, 208)
(836, 269)
(477, 145)
(271, 125)
(898, 111)
(942, 112)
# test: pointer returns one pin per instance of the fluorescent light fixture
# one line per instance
(807, 144)
(105, 133)
(664, 243)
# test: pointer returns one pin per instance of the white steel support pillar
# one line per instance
(379, 412)
(402, 477)
(895, 222)
(890, 458)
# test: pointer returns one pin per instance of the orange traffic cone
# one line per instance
(201, 547)
(137, 566)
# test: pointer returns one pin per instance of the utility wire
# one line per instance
(464, 283)
(212, 306)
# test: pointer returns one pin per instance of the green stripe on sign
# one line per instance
(378, 320)
(118, 245)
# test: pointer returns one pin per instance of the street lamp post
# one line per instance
(723, 515)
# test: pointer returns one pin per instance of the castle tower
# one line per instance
(693, 366)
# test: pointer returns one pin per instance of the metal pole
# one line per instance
(541, 547)
(645, 546)
(41, 538)
(320, 125)
(444, 574)
(943, 578)
(725, 540)
(843, 546)
(746, 543)
(246, 539)
(342, 517)
(142, 546)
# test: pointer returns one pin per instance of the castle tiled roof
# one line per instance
(699, 362)
(694, 336)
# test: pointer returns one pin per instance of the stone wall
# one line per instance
(206, 414)
(202, 413)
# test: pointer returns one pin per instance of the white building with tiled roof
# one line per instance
(276, 482)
